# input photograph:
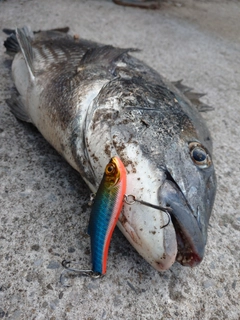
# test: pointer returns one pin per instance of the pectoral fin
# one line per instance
(24, 41)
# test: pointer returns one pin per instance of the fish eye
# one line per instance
(199, 155)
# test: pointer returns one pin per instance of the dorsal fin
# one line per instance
(103, 55)
(194, 97)
(180, 86)
(24, 40)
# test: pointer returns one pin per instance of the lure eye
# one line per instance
(110, 168)
(199, 155)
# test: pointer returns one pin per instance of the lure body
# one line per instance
(105, 212)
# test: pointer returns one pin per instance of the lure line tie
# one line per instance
(131, 199)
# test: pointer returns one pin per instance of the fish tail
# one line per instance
(11, 43)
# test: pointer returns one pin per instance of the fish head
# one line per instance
(189, 189)
(190, 185)
(166, 149)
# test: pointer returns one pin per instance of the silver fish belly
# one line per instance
(92, 102)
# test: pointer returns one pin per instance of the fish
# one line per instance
(92, 102)
(105, 211)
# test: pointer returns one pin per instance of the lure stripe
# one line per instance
(104, 216)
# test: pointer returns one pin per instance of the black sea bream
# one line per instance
(92, 102)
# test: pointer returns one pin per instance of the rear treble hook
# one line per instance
(77, 272)
(131, 199)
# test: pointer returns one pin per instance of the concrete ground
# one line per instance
(44, 211)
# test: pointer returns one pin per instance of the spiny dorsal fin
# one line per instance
(194, 97)
(62, 30)
(104, 55)
(45, 35)
(24, 40)
(180, 86)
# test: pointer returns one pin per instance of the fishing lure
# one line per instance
(106, 209)
(105, 212)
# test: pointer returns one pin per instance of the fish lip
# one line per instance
(188, 254)
(190, 240)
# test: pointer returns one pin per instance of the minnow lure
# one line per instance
(105, 212)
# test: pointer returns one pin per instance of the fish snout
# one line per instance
(190, 237)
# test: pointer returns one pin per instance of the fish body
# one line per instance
(92, 102)
(105, 212)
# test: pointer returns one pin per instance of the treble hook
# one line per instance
(88, 273)
(91, 200)
(165, 209)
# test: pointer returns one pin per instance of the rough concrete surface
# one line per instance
(44, 211)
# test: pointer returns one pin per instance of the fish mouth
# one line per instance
(190, 240)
